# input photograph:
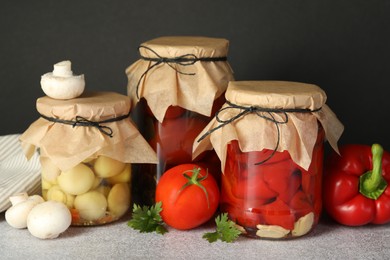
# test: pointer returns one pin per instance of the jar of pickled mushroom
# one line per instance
(177, 85)
(87, 145)
(270, 138)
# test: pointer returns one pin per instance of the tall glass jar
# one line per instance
(270, 138)
(178, 84)
(87, 146)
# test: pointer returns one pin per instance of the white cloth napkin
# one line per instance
(16, 173)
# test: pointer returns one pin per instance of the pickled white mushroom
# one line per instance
(55, 193)
(91, 205)
(45, 184)
(77, 180)
(61, 83)
(124, 176)
(105, 190)
(106, 167)
(119, 199)
(48, 219)
(96, 182)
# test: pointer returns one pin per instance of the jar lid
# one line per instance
(94, 124)
(170, 46)
(92, 106)
(273, 115)
(276, 94)
(185, 71)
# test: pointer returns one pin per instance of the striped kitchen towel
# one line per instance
(17, 174)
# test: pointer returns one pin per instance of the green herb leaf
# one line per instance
(147, 219)
(226, 230)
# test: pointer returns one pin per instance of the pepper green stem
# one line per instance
(372, 184)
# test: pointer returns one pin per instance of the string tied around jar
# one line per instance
(82, 121)
(183, 60)
(262, 112)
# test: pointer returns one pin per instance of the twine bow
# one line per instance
(183, 60)
(262, 112)
(82, 121)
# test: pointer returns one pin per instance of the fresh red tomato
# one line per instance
(174, 138)
(189, 196)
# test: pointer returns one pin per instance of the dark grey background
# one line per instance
(342, 46)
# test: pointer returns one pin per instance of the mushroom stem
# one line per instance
(63, 69)
(17, 198)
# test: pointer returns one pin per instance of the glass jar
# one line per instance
(87, 146)
(270, 138)
(274, 199)
(178, 84)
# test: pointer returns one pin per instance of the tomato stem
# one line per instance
(195, 180)
(372, 184)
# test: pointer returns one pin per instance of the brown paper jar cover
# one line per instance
(255, 133)
(190, 86)
(67, 146)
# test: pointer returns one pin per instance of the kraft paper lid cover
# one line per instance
(169, 81)
(255, 133)
(68, 145)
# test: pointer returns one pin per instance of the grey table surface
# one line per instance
(117, 241)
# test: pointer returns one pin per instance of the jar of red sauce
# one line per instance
(270, 138)
(177, 85)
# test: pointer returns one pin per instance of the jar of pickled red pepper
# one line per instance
(177, 85)
(270, 138)
(87, 145)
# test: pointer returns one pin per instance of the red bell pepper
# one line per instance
(355, 185)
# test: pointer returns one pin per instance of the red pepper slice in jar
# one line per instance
(278, 213)
(283, 177)
(254, 187)
(300, 204)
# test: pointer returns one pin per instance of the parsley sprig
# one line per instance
(147, 219)
(226, 230)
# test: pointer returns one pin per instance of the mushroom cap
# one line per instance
(16, 216)
(62, 87)
(48, 219)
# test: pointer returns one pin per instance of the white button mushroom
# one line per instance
(61, 83)
(48, 219)
(16, 215)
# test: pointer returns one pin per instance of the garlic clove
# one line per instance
(303, 225)
(271, 231)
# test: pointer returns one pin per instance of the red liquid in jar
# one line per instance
(172, 140)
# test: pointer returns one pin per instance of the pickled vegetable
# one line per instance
(92, 198)
(276, 199)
